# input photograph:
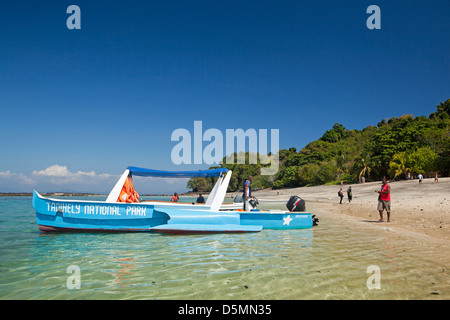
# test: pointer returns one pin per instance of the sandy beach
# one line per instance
(420, 211)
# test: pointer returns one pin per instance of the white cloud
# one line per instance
(58, 178)
(61, 173)
(18, 177)
(53, 171)
(5, 174)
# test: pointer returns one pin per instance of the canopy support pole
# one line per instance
(115, 192)
(213, 192)
(221, 192)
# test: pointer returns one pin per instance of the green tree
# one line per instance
(308, 174)
(335, 134)
(362, 167)
(423, 159)
(288, 177)
(399, 165)
(443, 110)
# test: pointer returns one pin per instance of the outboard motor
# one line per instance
(295, 204)
(315, 220)
(253, 202)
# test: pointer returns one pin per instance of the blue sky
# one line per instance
(79, 106)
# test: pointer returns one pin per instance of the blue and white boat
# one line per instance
(164, 217)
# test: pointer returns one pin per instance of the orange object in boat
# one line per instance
(128, 194)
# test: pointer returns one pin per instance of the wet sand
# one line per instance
(420, 211)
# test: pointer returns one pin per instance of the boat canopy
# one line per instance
(136, 171)
(215, 198)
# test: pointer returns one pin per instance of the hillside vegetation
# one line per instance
(394, 148)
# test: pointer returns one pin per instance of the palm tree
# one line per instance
(362, 167)
(365, 170)
(399, 164)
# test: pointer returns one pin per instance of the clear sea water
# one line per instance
(329, 261)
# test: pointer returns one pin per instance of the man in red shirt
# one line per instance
(384, 200)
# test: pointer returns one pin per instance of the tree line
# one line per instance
(394, 148)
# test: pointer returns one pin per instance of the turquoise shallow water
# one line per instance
(327, 262)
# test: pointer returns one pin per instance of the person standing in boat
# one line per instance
(247, 195)
(200, 198)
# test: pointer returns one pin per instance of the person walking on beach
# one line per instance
(420, 177)
(247, 195)
(341, 195)
(349, 194)
(384, 200)
(436, 180)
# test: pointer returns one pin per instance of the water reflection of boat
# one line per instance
(122, 211)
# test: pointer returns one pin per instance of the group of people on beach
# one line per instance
(349, 194)
(384, 195)
(409, 176)
(384, 198)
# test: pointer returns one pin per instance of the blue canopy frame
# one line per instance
(176, 174)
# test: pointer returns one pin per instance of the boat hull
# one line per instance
(277, 220)
(56, 215)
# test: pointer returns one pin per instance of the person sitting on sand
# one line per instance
(175, 197)
(341, 195)
(200, 198)
(384, 200)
